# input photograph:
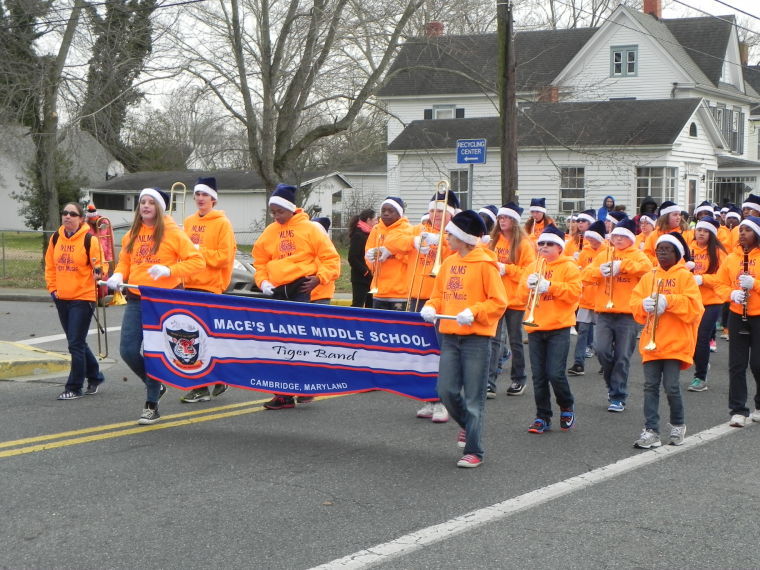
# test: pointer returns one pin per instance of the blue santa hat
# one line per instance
(705, 206)
(710, 224)
(537, 205)
(207, 185)
(284, 195)
(752, 202)
(734, 212)
(616, 217)
(467, 226)
(159, 196)
(553, 234)
(668, 207)
(676, 239)
(324, 222)
(752, 222)
(512, 210)
(396, 203)
(587, 216)
(596, 231)
(648, 219)
(490, 211)
(451, 204)
(625, 228)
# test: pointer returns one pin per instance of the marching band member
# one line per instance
(613, 219)
(646, 225)
(731, 219)
(291, 257)
(514, 252)
(555, 281)
(154, 252)
(211, 233)
(707, 254)
(538, 219)
(582, 223)
(442, 207)
(323, 293)
(586, 317)
(739, 272)
(668, 302)
(70, 266)
(469, 287)
(648, 208)
(387, 250)
(488, 215)
(669, 220)
(616, 270)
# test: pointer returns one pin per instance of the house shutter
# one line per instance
(459, 113)
(428, 114)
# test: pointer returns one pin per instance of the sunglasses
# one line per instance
(70, 213)
(545, 243)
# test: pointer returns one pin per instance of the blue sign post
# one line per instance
(471, 151)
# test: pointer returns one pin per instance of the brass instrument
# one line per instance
(445, 187)
(745, 328)
(376, 265)
(653, 319)
(609, 286)
(104, 235)
(534, 295)
(177, 188)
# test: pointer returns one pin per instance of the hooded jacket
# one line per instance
(390, 276)
(728, 275)
(601, 213)
(513, 271)
(713, 291)
(470, 282)
(555, 308)
(215, 240)
(68, 272)
(633, 265)
(420, 265)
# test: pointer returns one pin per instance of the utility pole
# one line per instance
(507, 101)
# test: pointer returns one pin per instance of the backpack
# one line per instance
(87, 241)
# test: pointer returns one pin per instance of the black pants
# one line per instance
(743, 350)
(361, 296)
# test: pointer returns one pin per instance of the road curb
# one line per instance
(18, 360)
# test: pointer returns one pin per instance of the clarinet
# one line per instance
(746, 291)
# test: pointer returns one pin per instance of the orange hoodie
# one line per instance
(555, 308)
(590, 288)
(676, 332)
(724, 237)
(728, 275)
(419, 275)
(391, 277)
(330, 269)
(286, 252)
(176, 251)
(634, 264)
(513, 271)
(712, 290)
(470, 282)
(215, 237)
(68, 272)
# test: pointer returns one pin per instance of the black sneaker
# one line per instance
(92, 389)
(69, 395)
(219, 389)
(280, 403)
(490, 393)
(576, 370)
(149, 416)
(197, 395)
(304, 399)
(515, 389)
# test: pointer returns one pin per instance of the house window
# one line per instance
(731, 125)
(460, 185)
(693, 130)
(104, 201)
(443, 112)
(572, 189)
(624, 61)
(660, 183)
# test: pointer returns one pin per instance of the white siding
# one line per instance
(753, 139)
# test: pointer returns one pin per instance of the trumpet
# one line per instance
(653, 319)
(534, 295)
(610, 281)
(177, 188)
(445, 187)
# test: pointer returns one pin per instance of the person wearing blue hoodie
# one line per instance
(608, 205)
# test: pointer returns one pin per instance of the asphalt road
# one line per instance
(303, 487)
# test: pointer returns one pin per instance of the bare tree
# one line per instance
(560, 14)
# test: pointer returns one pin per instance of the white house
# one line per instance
(592, 119)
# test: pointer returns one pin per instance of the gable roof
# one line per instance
(577, 124)
(705, 40)
(468, 64)
(752, 79)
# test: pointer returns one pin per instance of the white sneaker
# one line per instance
(738, 420)
(677, 433)
(426, 411)
(755, 416)
(648, 439)
(440, 413)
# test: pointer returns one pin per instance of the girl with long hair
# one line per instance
(358, 231)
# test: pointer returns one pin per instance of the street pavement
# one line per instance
(228, 484)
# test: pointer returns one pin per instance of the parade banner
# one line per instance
(194, 339)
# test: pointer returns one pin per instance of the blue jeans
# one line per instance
(75, 317)
(705, 332)
(614, 344)
(497, 343)
(665, 371)
(548, 360)
(131, 348)
(462, 381)
(582, 342)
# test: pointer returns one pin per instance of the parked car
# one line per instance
(241, 282)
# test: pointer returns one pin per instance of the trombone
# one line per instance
(609, 286)
(445, 187)
(177, 188)
(104, 235)
(653, 319)
(534, 295)
(376, 265)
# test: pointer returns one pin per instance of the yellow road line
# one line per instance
(107, 427)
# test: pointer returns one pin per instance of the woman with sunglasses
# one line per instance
(71, 264)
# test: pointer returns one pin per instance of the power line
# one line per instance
(737, 9)
(715, 17)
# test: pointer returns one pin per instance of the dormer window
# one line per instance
(624, 61)
(444, 112)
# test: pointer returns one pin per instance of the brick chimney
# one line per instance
(653, 8)
(549, 94)
(433, 29)
(743, 53)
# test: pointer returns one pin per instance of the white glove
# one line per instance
(649, 304)
(197, 245)
(543, 286)
(699, 279)
(431, 238)
(385, 253)
(576, 255)
(465, 318)
(423, 248)
(662, 304)
(616, 267)
(690, 265)
(428, 313)
(159, 271)
(532, 280)
(267, 288)
(738, 296)
(502, 268)
(115, 281)
(371, 254)
(605, 269)
(746, 281)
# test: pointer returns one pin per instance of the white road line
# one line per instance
(53, 338)
(409, 543)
